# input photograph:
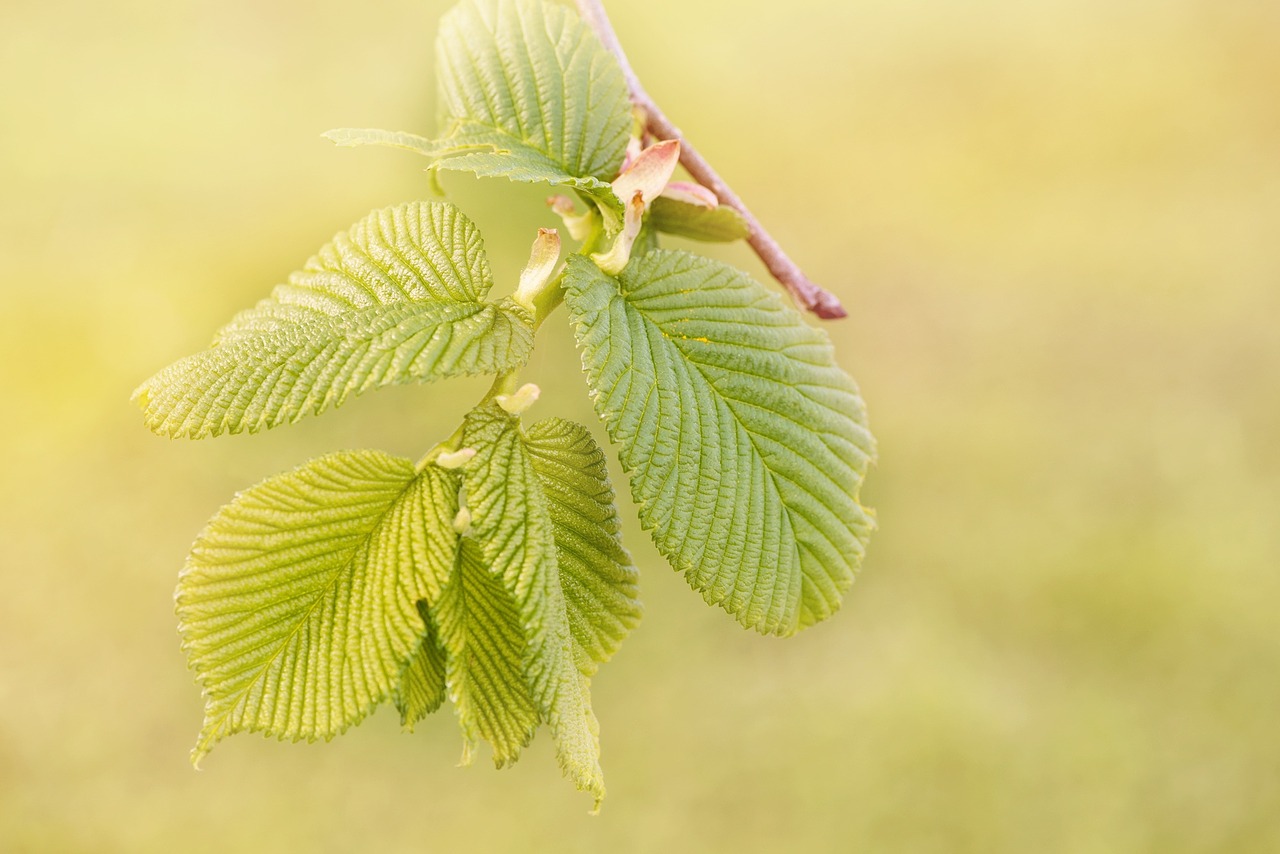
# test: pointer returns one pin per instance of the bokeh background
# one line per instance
(1057, 228)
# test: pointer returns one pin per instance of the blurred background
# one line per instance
(1056, 226)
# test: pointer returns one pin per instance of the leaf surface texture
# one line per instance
(422, 682)
(512, 521)
(745, 442)
(528, 78)
(484, 638)
(397, 299)
(599, 582)
(298, 606)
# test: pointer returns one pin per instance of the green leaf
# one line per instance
(397, 299)
(422, 682)
(530, 79)
(745, 442)
(484, 638)
(512, 521)
(298, 604)
(597, 577)
(720, 224)
(353, 137)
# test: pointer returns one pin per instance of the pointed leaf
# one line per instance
(397, 299)
(721, 224)
(530, 79)
(597, 577)
(482, 633)
(745, 442)
(435, 149)
(511, 520)
(422, 682)
(298, 604)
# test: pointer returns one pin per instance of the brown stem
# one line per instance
(805, 291)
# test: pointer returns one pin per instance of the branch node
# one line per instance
(807, 293)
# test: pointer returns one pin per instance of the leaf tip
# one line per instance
(141, 396)
(337, 137)
(199, 752)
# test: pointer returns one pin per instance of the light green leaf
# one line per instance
(397, 299)
(530, 79)
(482, 633)
(353, 137)
(422, 682)
(512, 521)
(745, 442)
(597, 577)
(720, 224)
(298, 604)
(522, 166)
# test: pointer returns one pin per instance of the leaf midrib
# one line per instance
(721, 399)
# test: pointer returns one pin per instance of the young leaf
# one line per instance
(397, 299)
(435, 149)
(720, 224)
(530, 79)
(745, 443)
(482, 633)
(512, 522)
(597, 577)
(298, 605)
(422, 682)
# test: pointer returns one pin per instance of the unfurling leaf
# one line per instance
(745, 442)
(536, 275)
(619, 252)
(298, 606)
(399, 298)
(649, 173)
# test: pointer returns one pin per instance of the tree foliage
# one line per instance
(492, 571)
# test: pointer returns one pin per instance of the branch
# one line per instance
(805, 292)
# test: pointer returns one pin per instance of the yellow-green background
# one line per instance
(1056, 225)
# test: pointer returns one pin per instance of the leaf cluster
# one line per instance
(492, 571)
